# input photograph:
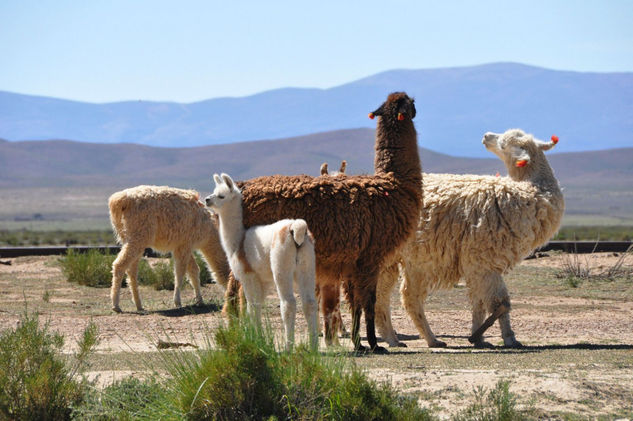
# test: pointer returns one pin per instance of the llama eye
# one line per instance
(220, 196)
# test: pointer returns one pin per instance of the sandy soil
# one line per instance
(578, 356)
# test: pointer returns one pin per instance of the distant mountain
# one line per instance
(595, 183)
(588, 111)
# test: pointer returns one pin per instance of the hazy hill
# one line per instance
(589, 111)
(595, 183)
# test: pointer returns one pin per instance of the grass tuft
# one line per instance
(499, 404)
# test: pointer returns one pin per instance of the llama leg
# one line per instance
(364, 284)
(288, 306)
(129, 252)
(193, 272)
(132, 277)
(216, 261)
(386, 282)
(370, 317)
(330, 297)
(254, 293)
(413, 294)
(180, 267)
(499, 296)
(305, 278)
(478, 293)
(233, 290)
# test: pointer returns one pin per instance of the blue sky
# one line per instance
(185, 51)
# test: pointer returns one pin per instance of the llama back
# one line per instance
(495, 211)
(154, 209)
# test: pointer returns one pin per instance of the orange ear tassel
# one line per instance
(554, 139)
(521, 163)
(400, 116)
(371, 115)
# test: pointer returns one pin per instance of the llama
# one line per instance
(358, 222)
(169, 220)
(476, 228)
(267, 255)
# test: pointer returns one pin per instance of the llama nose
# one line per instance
(488, 137)
(208, 200)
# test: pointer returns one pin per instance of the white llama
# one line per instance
(279, 254)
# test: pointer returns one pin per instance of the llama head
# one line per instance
(226, 191)
(397, 106)
(521, 153)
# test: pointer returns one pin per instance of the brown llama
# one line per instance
(165, 219)
(358, 222)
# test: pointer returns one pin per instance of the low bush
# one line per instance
(37, 382)
(246, 377)
(91, 268)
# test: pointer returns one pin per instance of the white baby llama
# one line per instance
(165, 219)
(476, 228)
(278, 254)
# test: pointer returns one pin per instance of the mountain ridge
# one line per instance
(592, 111)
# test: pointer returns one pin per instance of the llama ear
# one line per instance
(217, 179)
(546, 146)
(228, 180)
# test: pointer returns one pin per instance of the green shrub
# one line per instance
(91, 268)
(498, 405)
(36, 381)
(245, 377)
(163, 276)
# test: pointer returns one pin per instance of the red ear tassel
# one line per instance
(400, 116)
(371, 115)
(521, 163)
(554, 139)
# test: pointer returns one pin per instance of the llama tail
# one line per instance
(298, 229)
(118, 203)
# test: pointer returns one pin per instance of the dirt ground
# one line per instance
(577, 335)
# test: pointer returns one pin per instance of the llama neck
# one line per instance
(540, 174)
(231, 228)
(397, 149)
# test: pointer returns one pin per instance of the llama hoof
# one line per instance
(483, 345)
(381, 350)
(398, 344)
(362, 349)
(437, 344)
(514, 344)
(117, 309)
(199, 303)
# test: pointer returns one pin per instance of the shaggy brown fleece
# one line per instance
(357, 221)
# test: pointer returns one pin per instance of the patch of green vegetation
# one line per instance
(126, 399)
(246, 377)
(595, 233)
(27, 238)
(37, 383)
(499, 404)
(91, 268)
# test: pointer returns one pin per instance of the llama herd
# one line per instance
(361, 232)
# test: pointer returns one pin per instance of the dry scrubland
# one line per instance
(578, 334)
